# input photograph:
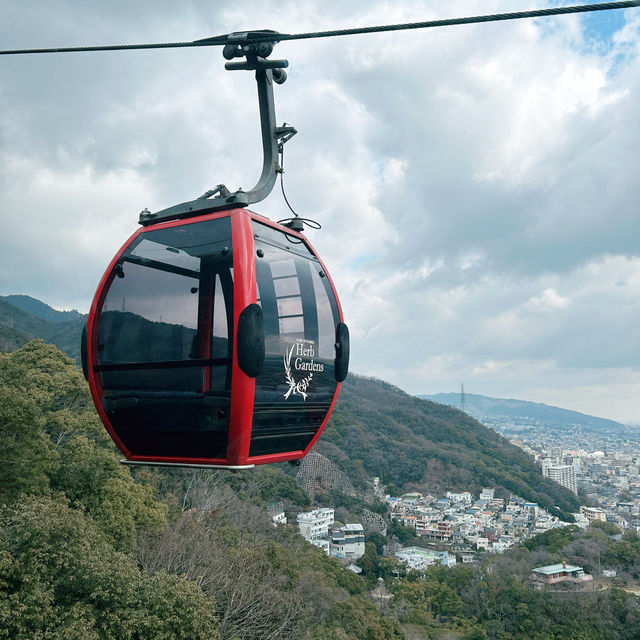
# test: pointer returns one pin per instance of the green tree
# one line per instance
(608, 527)
(378, 540)
(476, 633)
(92, 478)
(27, 454)
(357, 619)
(623, 553)
(554, 539)
(52, 440)
(60, 578)
(369, 563)
(393, 490)
(404, 534)
(59, 391)
(390, 567)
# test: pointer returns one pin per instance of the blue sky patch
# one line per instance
(600, 27)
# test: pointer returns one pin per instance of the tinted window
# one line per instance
(263, 233)
(165, 343)
(148, 315)
(297, 385)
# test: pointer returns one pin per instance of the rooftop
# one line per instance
(557, 568)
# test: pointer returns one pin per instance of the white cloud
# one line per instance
(477, 185)
(548, 301)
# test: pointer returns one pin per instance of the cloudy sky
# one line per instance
(478, 186)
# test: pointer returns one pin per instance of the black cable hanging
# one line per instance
(274, 36)
(296, 222)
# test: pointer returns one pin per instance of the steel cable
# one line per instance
(267, 36)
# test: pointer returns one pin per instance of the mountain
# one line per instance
(501, 412)
(378, 430)
(41, 310)
(88, 543)
(19, 325)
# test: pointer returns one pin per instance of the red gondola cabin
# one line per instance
(215, 340)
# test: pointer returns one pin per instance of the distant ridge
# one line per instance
(41, 310)
(487, 409)
(19, 325)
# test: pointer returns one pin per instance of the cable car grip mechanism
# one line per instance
(249, 46)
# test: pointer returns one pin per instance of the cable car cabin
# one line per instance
(216, 340)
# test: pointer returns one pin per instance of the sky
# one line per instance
(478, 186)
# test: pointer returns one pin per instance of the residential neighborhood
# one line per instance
(449, 529)
(455, 527)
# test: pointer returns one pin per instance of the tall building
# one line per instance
(563, 474)
(315, 524)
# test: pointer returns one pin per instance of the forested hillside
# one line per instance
(409, 442)
(42, 310)
(90, 550)
(23, 318)
(376, 429)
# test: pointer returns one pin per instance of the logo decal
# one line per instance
(302, 352)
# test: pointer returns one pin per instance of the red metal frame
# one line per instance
(244, 293)
(243, 387)
(296, 455)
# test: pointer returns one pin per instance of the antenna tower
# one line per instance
(463, 404)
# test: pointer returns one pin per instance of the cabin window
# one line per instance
(165, 341)
(294, 391)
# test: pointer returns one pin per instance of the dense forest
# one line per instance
(89, 549)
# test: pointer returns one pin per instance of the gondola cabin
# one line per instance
(216, 340)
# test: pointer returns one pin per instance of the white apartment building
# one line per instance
(591, 514)
(315, 524)
(322, 544)
(563, 474)
(276, 512)
(482, 543)
(348, 542)
(463, 496)
(419, 559)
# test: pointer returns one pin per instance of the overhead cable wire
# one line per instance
(273, 36)
(537, 13)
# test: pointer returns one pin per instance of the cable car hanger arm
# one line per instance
(273, 137)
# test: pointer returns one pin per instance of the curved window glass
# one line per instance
(296, 387)
(165, 341)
